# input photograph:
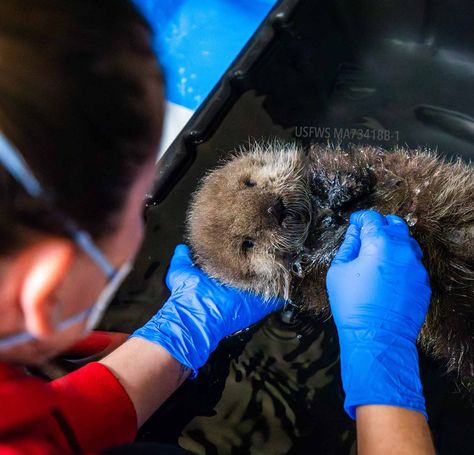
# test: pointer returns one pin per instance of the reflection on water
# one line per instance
(281, 395)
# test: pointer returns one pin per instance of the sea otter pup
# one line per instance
(272, 217)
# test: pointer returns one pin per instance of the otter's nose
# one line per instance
(278, 211)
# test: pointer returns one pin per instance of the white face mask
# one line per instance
(12, 160)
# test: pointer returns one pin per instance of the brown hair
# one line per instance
(81, 96)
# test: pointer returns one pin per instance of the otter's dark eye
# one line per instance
(247, 245)
(249, 183)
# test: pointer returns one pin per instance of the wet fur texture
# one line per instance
(272, 217)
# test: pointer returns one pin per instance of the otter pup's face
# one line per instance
(250, 218)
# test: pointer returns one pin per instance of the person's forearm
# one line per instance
(392, 430)
(148, 373)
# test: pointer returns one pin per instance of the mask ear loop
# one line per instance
(103, 301)
(26, 337)
(13, 161)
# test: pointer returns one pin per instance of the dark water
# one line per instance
(276, 389)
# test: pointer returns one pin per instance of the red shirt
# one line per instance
(83, 412)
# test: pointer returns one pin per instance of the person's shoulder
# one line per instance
(23, 398)
(26, 422)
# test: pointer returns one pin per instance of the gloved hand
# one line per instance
(200, 312)
(379, 294)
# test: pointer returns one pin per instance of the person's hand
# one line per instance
(379, 294)
(200, 312)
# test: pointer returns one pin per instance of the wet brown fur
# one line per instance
(289, 253)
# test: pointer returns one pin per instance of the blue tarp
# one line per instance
(197, 40)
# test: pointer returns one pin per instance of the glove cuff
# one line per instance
(380, 368)
(181, 340)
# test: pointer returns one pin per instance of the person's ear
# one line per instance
(46, 264)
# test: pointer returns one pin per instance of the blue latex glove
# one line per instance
(379, 294)
(200, 312)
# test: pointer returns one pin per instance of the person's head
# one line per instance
(81, 97)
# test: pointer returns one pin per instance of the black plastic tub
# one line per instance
(380, 72)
